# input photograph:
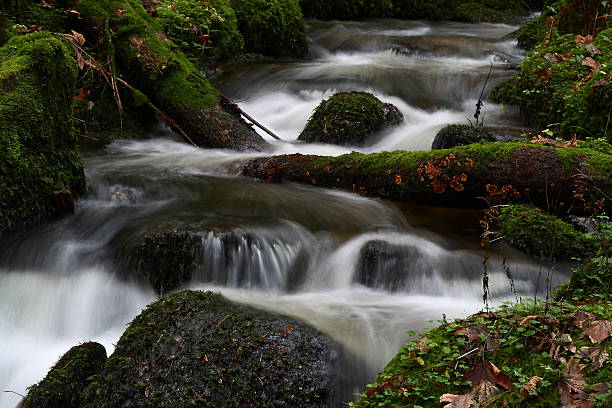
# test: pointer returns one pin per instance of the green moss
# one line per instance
(535, 232)
(435, 364)
(202, 30)
(40, 153)
(62, 386)
(349, 118)
(272, 27)
(556, 88)
(532, 33)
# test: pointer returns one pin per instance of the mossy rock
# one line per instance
(349, 118)
(535, 232)
(62, 386)
(40, 152)
(273, 28)
(167, 258)
(196, 348)
(460, 135)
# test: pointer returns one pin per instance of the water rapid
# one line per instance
(362, 271)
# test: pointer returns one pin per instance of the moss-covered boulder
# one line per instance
(39, 155)
(272, 27)
(349, 118)
(167, 258)
(535, 232)
(198, 349)
(459, 135)
(62, 386)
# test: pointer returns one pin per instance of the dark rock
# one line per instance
(167, 258)
(584, 224)
(199, 349)
(460, 135)
(350, 118)
(385, 265)
(62, 386)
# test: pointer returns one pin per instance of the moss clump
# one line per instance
(459, 135)
(198, 349)
(39, 152)
(565, 86)
(349, 118)
(272, 27)
(62, 386)
(167, 258)
(202, 30)
(537, 233)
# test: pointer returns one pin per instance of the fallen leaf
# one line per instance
(487, 372)
(598, 331)
(543, 75)
(581, 319)
(484, 391)
(458, 401)
(591, 63)
(597, 355)
(473, 333)
(572, 387)
(530, 388)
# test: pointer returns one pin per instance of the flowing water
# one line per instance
(305, 252)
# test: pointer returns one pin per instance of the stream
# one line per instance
(294, 250)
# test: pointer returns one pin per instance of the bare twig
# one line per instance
(249, 117)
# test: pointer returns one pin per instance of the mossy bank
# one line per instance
(40, 155)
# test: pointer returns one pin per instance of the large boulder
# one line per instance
(62, 386)
(199, 349)
(39, 158)
(349, 118)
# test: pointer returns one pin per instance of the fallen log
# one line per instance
(141, 53)
(472, 176)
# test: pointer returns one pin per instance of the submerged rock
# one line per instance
(385, 265)
(62, 386)
(199, 349)
(349, 118)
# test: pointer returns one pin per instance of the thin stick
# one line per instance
(16, 393)
(249, 117)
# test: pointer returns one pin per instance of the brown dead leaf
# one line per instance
(458, 401)
(530, 388)
(487, 372)
(582, 319)
(597, 355)
(598, 331)
(591, 63)
(572, 387)
(584, 40)
(601, 83)
(484, 391)
(473, 333)
(543, 75)
(538, 139)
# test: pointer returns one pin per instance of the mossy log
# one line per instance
(570, 179)
(138, 48)
(39, 160)
(199, 349)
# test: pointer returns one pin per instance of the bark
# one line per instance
(554, 179)
(137, 50)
